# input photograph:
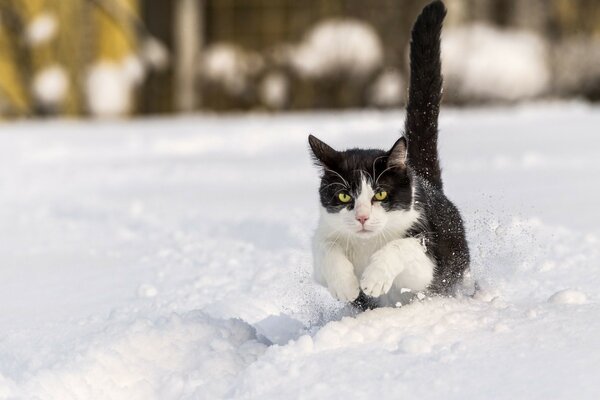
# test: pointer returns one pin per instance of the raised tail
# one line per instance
(425, 93)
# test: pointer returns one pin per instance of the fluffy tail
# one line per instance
(425, 93)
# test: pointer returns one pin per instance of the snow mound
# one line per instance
(41, 29)
(388, 90)
(155, 54)
(338, 46)
(178, 357)
(109, 88)
(230, 66)
(274, 90)
(50, 85)
(482, 63)
(568, 296)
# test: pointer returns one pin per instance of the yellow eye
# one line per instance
(380, 196)
(344, 197)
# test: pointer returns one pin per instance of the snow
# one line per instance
(230, 65)
(388, 89)
(274, 90)
(169, 259)
(41, 29)
(568, 296)
(50, 85)
(155, 54)
(337, 46)
(481, 62)
(134, 70)
(109, 87)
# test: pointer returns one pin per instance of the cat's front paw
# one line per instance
(377, 279)
(344, 288)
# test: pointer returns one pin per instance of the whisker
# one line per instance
(333, 183)
(341, 177)
(383, 172)
(375, 162)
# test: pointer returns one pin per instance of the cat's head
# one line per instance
(364, 193)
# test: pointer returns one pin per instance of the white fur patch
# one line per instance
(382, 259)
(402, 263)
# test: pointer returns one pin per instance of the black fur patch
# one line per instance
(343, 173)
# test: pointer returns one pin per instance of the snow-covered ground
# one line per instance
(169, 259)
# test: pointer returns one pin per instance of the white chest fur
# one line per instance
(383, 263)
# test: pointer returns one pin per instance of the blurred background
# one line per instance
(120, 58)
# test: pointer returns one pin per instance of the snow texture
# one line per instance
(337, 46)
(169, 259)
(481, 62)
(50, 85)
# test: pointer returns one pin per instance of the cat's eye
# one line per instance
(344, 197)
(380, 196)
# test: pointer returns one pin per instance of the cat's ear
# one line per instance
(397, 155)
(323, 154)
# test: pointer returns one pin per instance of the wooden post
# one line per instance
(188, 27)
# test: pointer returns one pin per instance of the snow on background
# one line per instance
(169, 259)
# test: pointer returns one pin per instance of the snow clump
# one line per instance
(108, 90)
(274, 90)
(568, 296)
(481, 63)
(230, 66)
(50, 85)
(41, 29)
(337, 46)
(388, 90)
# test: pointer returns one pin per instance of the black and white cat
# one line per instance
(386, 227)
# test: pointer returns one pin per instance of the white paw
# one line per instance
(344, 287)
(377, 279)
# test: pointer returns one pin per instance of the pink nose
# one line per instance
(362, 219)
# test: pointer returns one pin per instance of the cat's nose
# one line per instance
(362, 219)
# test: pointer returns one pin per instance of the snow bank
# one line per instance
(337, 46)
(481, 63)
(171, 358)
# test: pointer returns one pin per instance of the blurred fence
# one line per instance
(126, 57)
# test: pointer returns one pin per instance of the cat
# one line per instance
(386, 229)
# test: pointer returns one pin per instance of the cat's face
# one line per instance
(364, 193)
